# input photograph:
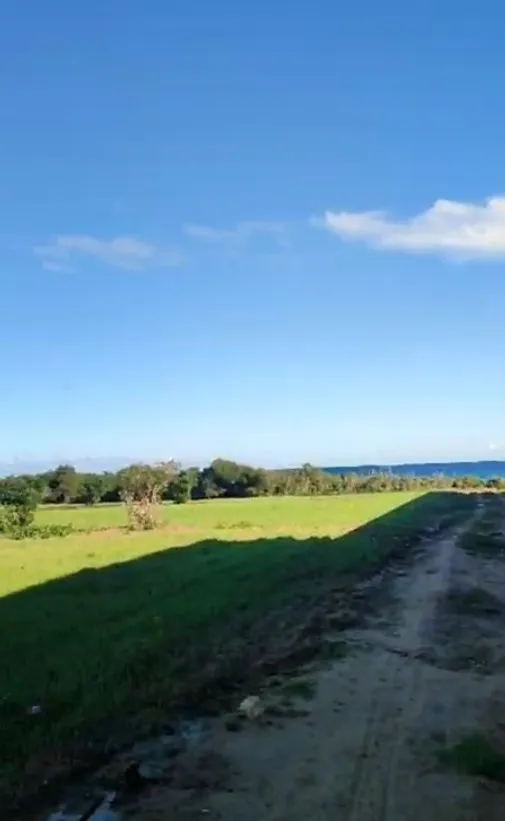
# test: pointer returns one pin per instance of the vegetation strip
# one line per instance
(140, 486)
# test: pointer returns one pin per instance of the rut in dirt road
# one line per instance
(367, 746)
(400, 697)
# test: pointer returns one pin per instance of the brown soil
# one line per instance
(352, 722)
(358, 738)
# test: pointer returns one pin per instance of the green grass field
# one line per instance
(283, 513)
(109, 631)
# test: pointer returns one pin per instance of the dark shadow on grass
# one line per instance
(114, 653)
(476, 755)
(486, 537)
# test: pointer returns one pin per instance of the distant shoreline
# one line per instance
(482, 470)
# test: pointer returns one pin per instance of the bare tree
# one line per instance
(142, 489)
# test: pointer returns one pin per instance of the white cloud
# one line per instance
(127, 253)
(240, 234)
(448, 228)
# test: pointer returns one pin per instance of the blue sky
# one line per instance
(273, 232)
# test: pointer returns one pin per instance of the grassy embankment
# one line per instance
(108, 630)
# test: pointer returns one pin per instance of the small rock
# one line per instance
(35, 710)
(251, 707)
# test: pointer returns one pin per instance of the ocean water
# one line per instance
(484, 470)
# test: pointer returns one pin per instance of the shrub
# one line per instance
(51, 531)
(142, 487)
(10, 527)
(19, 500)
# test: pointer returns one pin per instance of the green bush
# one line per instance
(19, 500)
(14, 526)
(51, 531)
(180, 488)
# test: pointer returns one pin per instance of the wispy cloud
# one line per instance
(456, 229)
(127, 253)
(239, 235)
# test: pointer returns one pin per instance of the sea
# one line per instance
(483, 470)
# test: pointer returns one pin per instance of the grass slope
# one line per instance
(109, 629)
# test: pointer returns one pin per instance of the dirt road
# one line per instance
(426, 668)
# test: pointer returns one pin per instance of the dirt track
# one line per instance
(424, 670)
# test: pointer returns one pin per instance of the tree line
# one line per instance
(221, 479)
(143, 487)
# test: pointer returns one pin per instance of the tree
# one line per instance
(496, 483)
(19, 499)
(64, 484)
(313, 481)
(180, 488)
(142, 487)
(226, 475)
(206, 487)
(93, 487)
(194, 478)
(467, 482)
(252, 482)
(226, 478)
(112, 489)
